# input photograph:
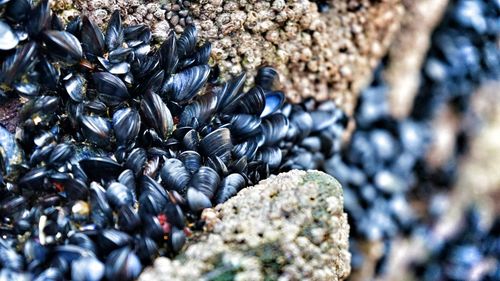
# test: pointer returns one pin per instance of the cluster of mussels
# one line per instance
(121, 144)
(384, 167)
(377, 173)
(471, 253)
(464, 54)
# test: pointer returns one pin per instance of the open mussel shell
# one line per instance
(274, 101)
(229, 186)
(174, 175)
(218, 143)
(8, 39)
(157, 115)
(63, 45)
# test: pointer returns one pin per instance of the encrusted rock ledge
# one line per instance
(325, 55)
(288, 227)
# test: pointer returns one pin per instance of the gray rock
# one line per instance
(288, 227)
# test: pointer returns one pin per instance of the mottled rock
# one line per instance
(325, 55)
(408, 52)
(288, 227)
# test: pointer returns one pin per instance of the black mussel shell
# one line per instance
(157, 115)
(87, 269)
(230, 93)
(187, 41)
(119, 195)
(101, 212)
(114, 32)
(49, 73)
(110, 88)
(136, 160)
(97, 168)
(122, 264)
(63, 45)
(274, 101)
(202, 109)
(229, 186)
(8, 39)
(168, 54)
(184, 86)
(274, 128)
(206, 180)
(191, 160)
(126, 125)
(39, 18)
(19, 62)
(75, 85)
(92, 38)
(218, 143)
(266, 77)
(96, 130)
(252, 102)
(174, 175)
(17, 10)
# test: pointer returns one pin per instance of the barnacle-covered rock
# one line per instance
(407, 52)
(326, 55)
(294, 228)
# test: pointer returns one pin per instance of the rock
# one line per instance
(408, 52)
(325, 55)
(288, 227)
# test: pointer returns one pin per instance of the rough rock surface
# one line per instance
(288, 227)
(325, 55)
(408, 51)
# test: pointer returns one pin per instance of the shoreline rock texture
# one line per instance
(288, 227)
(408, 51)
(322, 55)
